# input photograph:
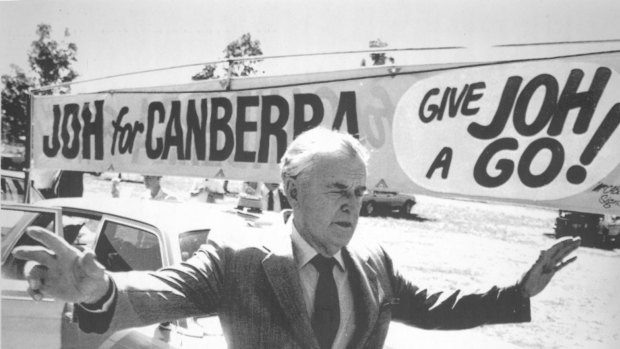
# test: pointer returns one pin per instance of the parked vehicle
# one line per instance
(125, 234)
(376, 201)
(250, 197)
(594, 229)
(14, 187)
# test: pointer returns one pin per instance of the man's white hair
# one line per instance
(303, 151)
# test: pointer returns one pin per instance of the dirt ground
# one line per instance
(449, 244)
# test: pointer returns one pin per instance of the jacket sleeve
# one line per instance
(189, 289)
(417, 307)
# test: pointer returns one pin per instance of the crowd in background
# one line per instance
(252, 196)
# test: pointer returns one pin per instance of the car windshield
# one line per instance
(190, 241)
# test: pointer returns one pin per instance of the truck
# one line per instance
(597, 230)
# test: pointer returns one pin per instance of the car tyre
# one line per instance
(405, 210)
(606, 241)
(370, 209)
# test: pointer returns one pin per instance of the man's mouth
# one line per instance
(344, 224)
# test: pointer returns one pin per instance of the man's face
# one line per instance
(151, 181)
(328, 203)
(272, 186)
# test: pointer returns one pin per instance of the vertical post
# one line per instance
(28, 147)
(230, 73)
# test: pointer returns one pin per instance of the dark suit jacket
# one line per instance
(257, 294)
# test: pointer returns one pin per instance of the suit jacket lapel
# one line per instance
(366, 290)
(281, 271)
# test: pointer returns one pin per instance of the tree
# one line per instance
(51, 61)
(242, 47)
(378, 58)
(14, 105)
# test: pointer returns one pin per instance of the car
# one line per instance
(125, 234)
(14, 187)
(376, 201)
(599, 230)
(250, 197)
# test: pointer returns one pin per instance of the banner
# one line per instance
(540, 132)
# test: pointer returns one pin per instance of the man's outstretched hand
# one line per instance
(63, 271)
(549, 262)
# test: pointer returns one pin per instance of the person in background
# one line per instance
(208, 190)
(273, 198)
(155, 191)
(115, 191)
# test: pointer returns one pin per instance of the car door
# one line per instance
(24, 321)
(125, 245)
(51, 320)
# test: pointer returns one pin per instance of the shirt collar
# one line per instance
(304, 252)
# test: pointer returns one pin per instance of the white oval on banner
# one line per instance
(531, 130)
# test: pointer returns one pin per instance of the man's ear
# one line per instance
(291, 191)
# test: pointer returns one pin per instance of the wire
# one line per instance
(242, 59)
(390, 73)
(261, 58)
(559, 43)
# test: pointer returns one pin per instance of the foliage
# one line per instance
(14, 104)
(208, 72)
(378, 58)
(51, 61)
(242, 47)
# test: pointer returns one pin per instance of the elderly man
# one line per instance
(321, 289)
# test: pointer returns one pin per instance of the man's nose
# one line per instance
(352, 204)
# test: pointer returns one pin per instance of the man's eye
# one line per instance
(338, 193)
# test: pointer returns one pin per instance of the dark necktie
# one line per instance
(270, 201)
(326, 316)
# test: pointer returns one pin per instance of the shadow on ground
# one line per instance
(416, 218)
(410, 217)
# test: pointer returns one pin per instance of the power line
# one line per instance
(261, 58)
(242, 59)
(558, 43)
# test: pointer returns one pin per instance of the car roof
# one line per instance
(172, 217)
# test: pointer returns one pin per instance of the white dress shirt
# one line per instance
(309, 277)
(160, 196)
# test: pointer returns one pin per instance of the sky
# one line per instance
(117, 37)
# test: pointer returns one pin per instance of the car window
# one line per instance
(12, 189)
(123, 248)
(13, 268)
(80, 229)
(190, 241)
